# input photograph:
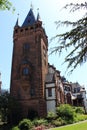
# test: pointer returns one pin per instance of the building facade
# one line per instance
(79, 94)
(54, 89)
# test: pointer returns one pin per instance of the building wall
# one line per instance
(50, 100)
(54, 82)
(51, 106)
(29, 57)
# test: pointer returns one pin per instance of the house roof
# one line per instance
(30, 19)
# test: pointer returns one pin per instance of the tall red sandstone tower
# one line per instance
(30, 65)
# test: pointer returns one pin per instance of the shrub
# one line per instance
(66, 112)
(79, 110)
(59, 122)
(25, 124)
(38, 122)
(15, 128)
(80, 117)
(51, 116)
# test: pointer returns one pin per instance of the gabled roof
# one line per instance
(30, 19)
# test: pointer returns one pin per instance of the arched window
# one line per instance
(25, 71)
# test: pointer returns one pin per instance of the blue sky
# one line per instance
(50, 11)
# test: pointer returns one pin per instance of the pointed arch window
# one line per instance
(26, 71)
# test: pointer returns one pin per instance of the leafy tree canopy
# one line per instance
(5, 5)
(76, 38)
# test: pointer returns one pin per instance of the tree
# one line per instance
(4, 105)
(10, 108)
(76, 39)
(5, 5)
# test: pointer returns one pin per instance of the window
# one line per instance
(32, 92)
(26, 48)
(49, 92)
(25, 71)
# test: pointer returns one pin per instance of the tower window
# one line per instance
(32, 91)
(25, 71)
(26, 47)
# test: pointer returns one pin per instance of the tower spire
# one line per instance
(16, 25)
(30, 19)
(38, 15)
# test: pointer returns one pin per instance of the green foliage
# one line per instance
(15, 128)
(5, 5)
(80, 117)
(38, 122)
(59, 122)
(73, 41)
(9, 108)
(66, 112)
(4, 106)
(51, 116)
(79, 110)
(25, 124)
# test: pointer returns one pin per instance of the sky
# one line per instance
(50, 11)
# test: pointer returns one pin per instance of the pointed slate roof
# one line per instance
(30, 19)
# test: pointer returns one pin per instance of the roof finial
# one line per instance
(18, 15)
(38, 9)
(17, 21)
(38, 16)
(31, 6)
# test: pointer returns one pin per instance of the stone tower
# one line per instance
(29, 65)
